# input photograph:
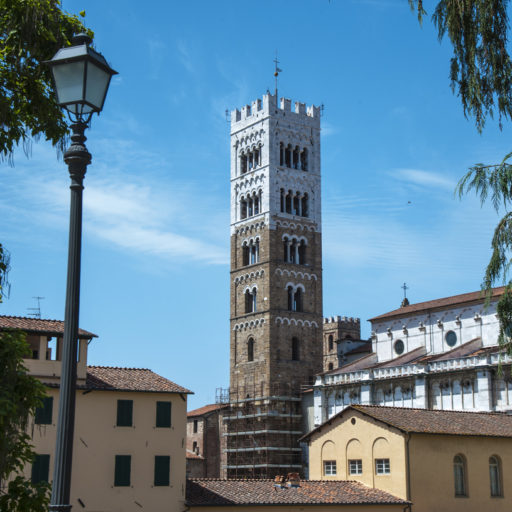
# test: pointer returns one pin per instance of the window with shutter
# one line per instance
(122, 470)
(162, 470)
(163, 414)
(40, 469)
(44, 413)
(124, 413)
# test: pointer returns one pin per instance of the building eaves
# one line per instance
(39, 326)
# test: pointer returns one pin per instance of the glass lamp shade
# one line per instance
(81, 76)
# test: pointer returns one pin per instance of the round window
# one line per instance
(399, 347)
(451, 338)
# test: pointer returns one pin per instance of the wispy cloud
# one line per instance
(424, 178)
(157, 50)
(185, 56)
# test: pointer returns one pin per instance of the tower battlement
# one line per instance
(269, 104)
(342, 319)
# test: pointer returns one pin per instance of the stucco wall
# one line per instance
(358, 437)
(97, 440)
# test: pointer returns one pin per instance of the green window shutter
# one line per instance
(44, 413)
(163, 414)
(124, 413)
(122, 470)
(40, 469)
(162, 470)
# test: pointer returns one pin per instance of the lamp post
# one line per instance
(81, 76)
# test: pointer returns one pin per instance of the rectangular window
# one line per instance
(124, 413)
(163, 414)
(329, 467)
(122, 470)
(382, 467)
(40, 469)
(44, 413)
(195, 426)
(162, 470)
(355, 467)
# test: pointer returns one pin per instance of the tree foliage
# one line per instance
(20, 395)
(481, 75)
(31, 31)
(4, 271)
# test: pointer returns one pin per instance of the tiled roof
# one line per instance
(205, 410)
(467, 349)
(361, 349)
(130, 379)
(363, 363)
(262, 492)
(38, 325)
(429, 421)
(407, 358)
(446, 302)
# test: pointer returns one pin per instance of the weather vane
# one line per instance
(277, 71)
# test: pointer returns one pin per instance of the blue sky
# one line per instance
(155, 274)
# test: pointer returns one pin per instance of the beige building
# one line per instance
(438, 460)
(263, 495)
(129, 442)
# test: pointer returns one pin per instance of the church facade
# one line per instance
(276, 283)
(441, 354)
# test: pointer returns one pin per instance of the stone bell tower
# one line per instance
(276, 282)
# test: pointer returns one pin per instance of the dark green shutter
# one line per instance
(40, 469)
(44, 414)
(122, 470)
(163, 414)
(124, 413)
(162, 469)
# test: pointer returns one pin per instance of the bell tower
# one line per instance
(276, 282)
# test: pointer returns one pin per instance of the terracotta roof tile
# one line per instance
(130, 379)
(262, 492)
(465, 350)
(443, 303)
(38, 325)
(206, 409)
(363, 363)
(361, 349)
(429, 421)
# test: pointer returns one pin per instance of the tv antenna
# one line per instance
(36, 311)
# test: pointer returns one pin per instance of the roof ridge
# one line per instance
(31, 318)
(122, 368)
(443, 411)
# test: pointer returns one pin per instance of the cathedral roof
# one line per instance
(444, 303)
(205, 410)
(430, 421)
(263, 492)
(38, 326)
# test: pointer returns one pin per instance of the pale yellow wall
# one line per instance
(365, 439)
(98, 439)
(297, 508)
(432, 480)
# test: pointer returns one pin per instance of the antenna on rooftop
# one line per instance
(36, 311)
(277, 71)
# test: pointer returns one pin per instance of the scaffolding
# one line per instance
(261, 433)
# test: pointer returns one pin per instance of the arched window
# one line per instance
(288, 156)
(296, 204)
(296, 157)
(256, 205)
(282, 200)
(290, 298)
(295, 349)
(331, 366)
(305, 210)
(293, 252)
(250, 349)
(459, 475)
(250, 211)
(302, 253)
(304, 159)
(297, 300)
(331, 342)
(243, 163)
(495, 476)
(285, 249)
(243, 208)
(250, 301)
(254, 293)
(245, 254)
(288, 202)
(195, 448)
(281, 154)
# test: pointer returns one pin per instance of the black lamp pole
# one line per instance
(77, 158)
(81, 77)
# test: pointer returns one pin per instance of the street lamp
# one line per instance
(81, 77)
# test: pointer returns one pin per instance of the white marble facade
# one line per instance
(440, 354)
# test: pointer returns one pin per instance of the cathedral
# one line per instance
(290, 368)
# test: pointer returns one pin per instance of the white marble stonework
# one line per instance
(440, 354)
